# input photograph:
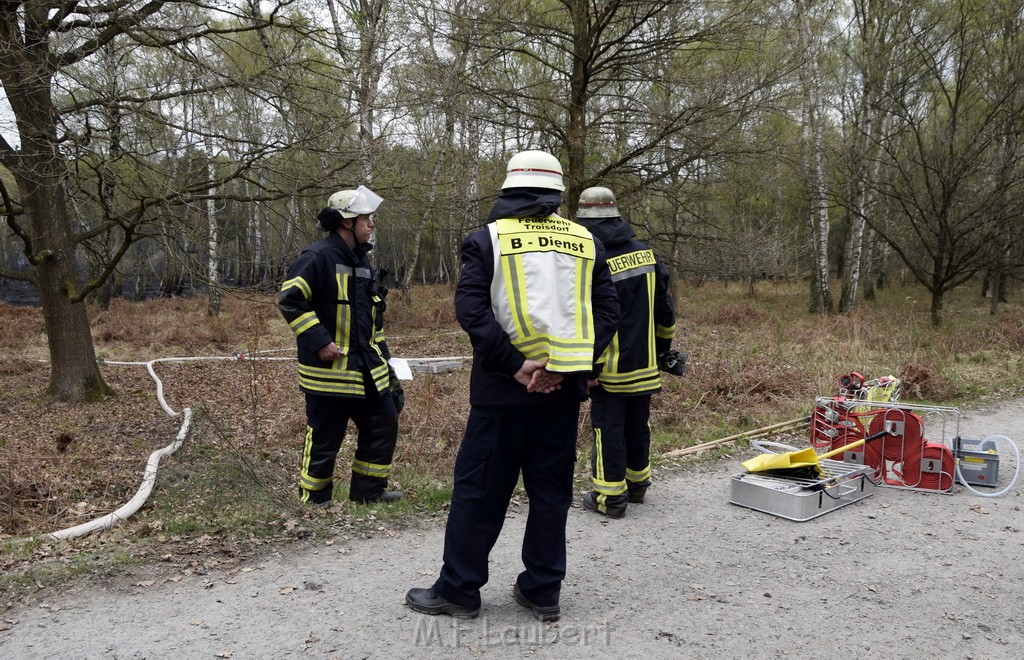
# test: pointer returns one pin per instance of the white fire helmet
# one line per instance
(352, 203)
(533, 169)
(597, 202)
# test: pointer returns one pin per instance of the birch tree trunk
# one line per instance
(213, 245)
(256, 219)
(370, 18)
(854, 250)
(814, 163)
(873, 55)
(867, 268)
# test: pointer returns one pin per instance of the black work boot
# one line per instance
(636, 495)
(540, 612)
(613, 507)
(384, 496)
(427, 601)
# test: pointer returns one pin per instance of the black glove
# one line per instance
(672, 362)
(397, 393)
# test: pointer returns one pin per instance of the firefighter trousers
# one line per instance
(621, 457)
(538, 441)
(327, 419)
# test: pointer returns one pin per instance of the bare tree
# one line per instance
(44, 49)
(951, 160)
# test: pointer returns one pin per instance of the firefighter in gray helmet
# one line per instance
(332, 299)
(627, 372)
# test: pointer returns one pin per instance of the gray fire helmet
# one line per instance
(597, 202)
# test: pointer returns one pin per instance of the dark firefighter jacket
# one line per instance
(630, 364)
(495, 358)
(330, 294)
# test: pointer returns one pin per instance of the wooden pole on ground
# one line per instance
(792, 424)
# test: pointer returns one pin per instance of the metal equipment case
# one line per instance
(802, 499)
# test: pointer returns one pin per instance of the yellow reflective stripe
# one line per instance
(306, 449)
(631, 382)
(312, 483)
(515, 286)
(665, 331)
(580, 287)
(331, 381)
(341, 381)
(609, 488)
(331, 374)
(652, 355)
(331, 387)
(303, 323)
(306, 482)
(316, 482)
(554, 355)
(569, 364)
(375, 334)
(342, 280)
(584, 361)
(566, 344)
(583, 303)
(626, 376)
(344, 315)
(381, 377)
(601, 486)
(637, 476)
(611, 354)
(634, 388)
(602, 502)
(300, 284)
(371, 469)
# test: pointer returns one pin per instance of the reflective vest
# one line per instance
(540, 292)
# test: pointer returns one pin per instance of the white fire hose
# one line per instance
(149, 476)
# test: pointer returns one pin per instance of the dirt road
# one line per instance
(900, 574)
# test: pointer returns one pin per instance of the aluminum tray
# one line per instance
(803, 499)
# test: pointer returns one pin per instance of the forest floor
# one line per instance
(224, 509)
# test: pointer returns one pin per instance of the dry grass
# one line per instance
(753, 361)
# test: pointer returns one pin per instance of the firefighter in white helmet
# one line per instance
(539, 306)
(332, 299)
(620, 407)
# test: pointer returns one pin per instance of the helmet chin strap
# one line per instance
(352, 230)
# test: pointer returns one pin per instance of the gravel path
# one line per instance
(900, 574)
